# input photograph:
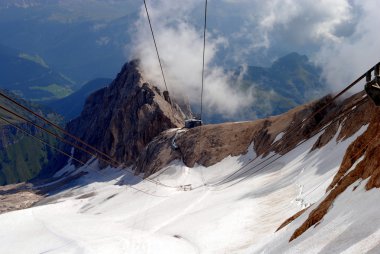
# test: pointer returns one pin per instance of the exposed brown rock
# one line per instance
(209, 144)
(17, 196)
(326, 136)
(120, 120)
(289, 220)
(367, 145)
(297, 130)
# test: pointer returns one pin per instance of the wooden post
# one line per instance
(377, 70)
(368, 77)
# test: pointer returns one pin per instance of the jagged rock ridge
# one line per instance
(124, 117)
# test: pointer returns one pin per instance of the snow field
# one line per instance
(98, 214)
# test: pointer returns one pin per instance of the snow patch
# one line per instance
(278, 137)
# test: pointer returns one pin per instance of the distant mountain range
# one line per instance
(86, 39)
(71, 106)
(82, 39)
(30, 77)
(291, 80)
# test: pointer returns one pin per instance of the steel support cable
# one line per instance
(355, 156)
(41, 140)
(55, 135)
(359, 152)
(57, 127)
(343, 114)
(303, 121)
(76, 146)
(349, 201)
(280, 156)
(203, 57)
(64, 153)
(203, 72)
(155, 45)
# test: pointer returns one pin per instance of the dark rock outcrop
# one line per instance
(121, 119)
(7, 136)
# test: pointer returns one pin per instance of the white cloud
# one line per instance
(180, 46)
(290, 24)
(103, 41)
(340, 35)
(345, 60)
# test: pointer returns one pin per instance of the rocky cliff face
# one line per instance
(22, 157)
(209, 144)
(7, 136)
(124, 117)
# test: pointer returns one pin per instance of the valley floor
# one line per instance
(100, 213)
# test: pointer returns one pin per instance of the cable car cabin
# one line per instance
(372, 87)
(191, 123)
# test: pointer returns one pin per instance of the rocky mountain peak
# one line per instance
(124, 117)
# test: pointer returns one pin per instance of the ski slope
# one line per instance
(100, 213)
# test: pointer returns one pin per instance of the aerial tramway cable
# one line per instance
(203, 74)
(343, 114)
(57, 127)
(295, 128)
(64, 153)
(360, 151)
(230, 177)
(223, 181)
(76, 146)
(155, 45)
(41, 140)
(203, 58)
(55, 135)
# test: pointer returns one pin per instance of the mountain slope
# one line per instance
(128, 103)
(221, 188)
(239, 218)
(82, 39)
(71, 106)
(21, 157)
(292, 80)
(29, 76)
